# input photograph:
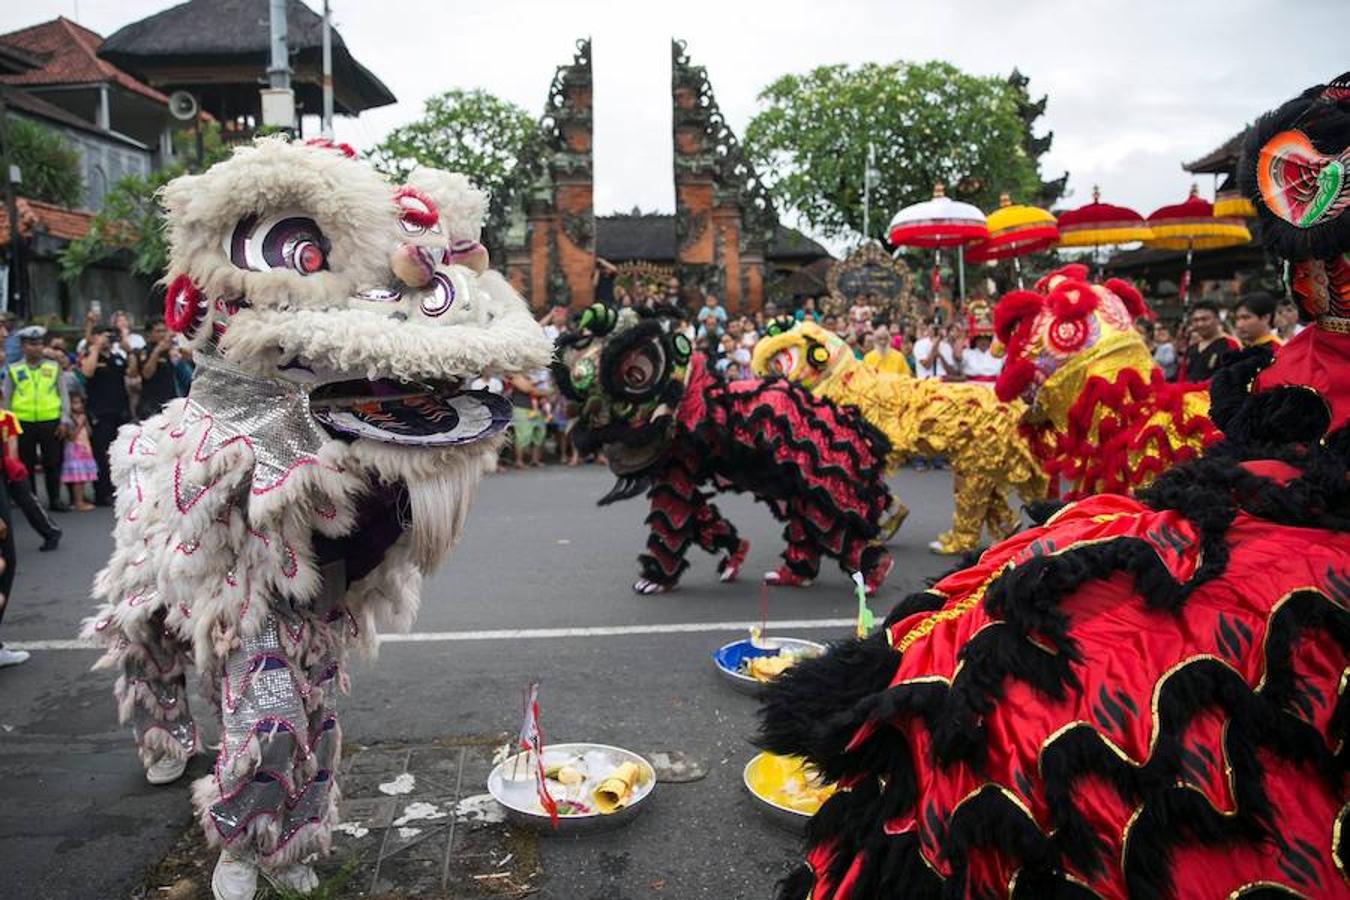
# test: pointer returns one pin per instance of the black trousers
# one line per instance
(21, 492)
(41, 438)
(7, 553)
(102, 433)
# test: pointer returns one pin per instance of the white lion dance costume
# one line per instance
(323, 462)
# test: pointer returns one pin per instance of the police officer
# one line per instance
(35, 393)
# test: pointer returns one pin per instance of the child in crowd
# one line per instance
(79, 468)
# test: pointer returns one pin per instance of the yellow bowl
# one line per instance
(779, 784)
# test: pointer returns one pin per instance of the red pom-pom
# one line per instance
(1012, 308)
(1073, 299)
(1074, 271)
(184, 305)
(1016, 376)
(1133, 300)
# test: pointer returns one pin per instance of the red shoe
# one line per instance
(785, 577)
(878, 574)
(730, 567)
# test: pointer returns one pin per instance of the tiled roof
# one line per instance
(54, 220)
(1221, 159)
(70, 56)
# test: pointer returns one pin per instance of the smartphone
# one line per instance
(96, 307)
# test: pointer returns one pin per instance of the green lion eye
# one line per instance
(583, 374)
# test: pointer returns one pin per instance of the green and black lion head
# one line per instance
(626, 371)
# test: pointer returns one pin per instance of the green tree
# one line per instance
(470, 131)
(131, 220)
(929, 122)
(49, 166)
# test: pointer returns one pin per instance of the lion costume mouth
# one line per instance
(435, 414)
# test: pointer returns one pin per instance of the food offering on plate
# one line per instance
(788, 789)
(750, 664)
(588, 782)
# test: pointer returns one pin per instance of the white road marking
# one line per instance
(525, 634)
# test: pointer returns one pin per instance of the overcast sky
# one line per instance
(1136, 87)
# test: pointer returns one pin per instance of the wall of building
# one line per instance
(103, 162)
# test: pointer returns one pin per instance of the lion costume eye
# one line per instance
(583, 374)
(818, 356)
(280, 242)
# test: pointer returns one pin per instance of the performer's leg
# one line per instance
(681, 515)
(152, 697)
(1000, 517)
(272, 799)
(801, 556)
(22, 494)
(970, 499)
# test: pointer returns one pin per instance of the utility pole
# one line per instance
(14, 298)
(326, 126)
(870, 177)
(278, 100)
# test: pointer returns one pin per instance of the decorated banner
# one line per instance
(532, 741)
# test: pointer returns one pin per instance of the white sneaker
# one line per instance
(296, 877)
(12, 657)
(234, 878)
(166, 770)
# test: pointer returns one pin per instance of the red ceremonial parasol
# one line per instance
(1192, 225)
(1014, 231)
(937, 223)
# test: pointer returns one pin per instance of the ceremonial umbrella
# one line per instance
(937, 223)
(1101, 225)
(1192, 226)
(1014, 231)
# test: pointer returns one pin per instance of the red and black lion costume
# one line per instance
(1142, 696)
(671, 425)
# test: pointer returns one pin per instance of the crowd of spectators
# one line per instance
(61, 411)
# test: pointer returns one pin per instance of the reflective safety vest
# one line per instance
(36, 396)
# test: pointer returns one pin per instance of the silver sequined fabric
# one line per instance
(279, 738)
(272, 415)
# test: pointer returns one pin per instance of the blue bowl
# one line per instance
(727, 659)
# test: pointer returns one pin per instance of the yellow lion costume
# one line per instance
(963, 422)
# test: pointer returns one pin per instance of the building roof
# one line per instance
(69, 55)
(22, 102)
(55, 221)
(651, 236)
(1221, 159)
(204, 33)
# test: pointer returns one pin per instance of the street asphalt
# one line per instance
(77, 819)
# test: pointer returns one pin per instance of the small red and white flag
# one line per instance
(532, 740)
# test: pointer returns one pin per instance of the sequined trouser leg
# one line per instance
(813, 529)
(272, 796)
(152, 695)
(979, 501)
(681, 515)
(1000, 517)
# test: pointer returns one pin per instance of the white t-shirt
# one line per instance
(980, 364)
(944, 363)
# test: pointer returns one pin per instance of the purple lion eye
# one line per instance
(283, 242)
(441, 296)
